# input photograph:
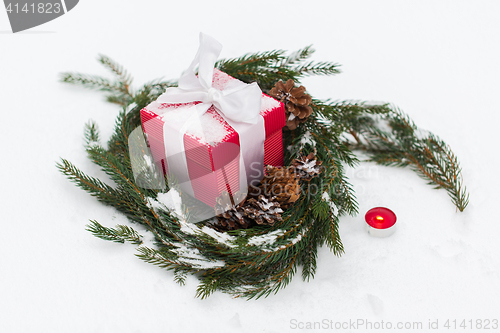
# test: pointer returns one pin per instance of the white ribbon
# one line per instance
(238, 103)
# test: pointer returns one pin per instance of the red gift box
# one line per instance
(213, 163)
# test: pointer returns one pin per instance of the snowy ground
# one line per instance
(437, 60)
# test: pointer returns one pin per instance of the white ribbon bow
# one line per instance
(240, 102)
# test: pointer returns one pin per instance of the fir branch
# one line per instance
(90, 82)
(337, 183)
(93, 186)
(309, 261)
(394, 140)
(207, 287)
(283, 276)
(91, 134)
(333, 240)
(134, 203)
(180, 277)
(111, 165)
(119, 88)
(123, 79)
(118, 70)
(298, 56)
(150, 91)
(258, 59)
(267, 68)
(163, 259)
(121, 234)
(155, 257)
(345, 116)
(118, 143)
(119, 198)
(119, 99)
(318, 68)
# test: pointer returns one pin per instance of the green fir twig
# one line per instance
(394, 140)
(121, 234)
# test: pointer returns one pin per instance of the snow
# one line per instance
(307, 140)
(189, 228)
(170, 201)
(333, 208)
(268, 103)
(209, 128)
(193, 256)
(271, 240)
(130, 107)
(294, 241)
(149, 161)
(308, 167)
(93, 144)
(325, 121)
(221, 237)
(266, 239)
(436, 60)
(266, 204)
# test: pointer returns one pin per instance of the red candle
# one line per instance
(380, 222)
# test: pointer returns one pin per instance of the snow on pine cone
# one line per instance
(262, 210)
(307, 167)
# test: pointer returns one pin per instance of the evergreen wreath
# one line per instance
(261, 259)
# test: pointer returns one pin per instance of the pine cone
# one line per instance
(307, 167)
(262, 210)
(259, 210)
(295, 100)
(281, 183)
(230, 216)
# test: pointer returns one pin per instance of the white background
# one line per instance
(437, 60)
